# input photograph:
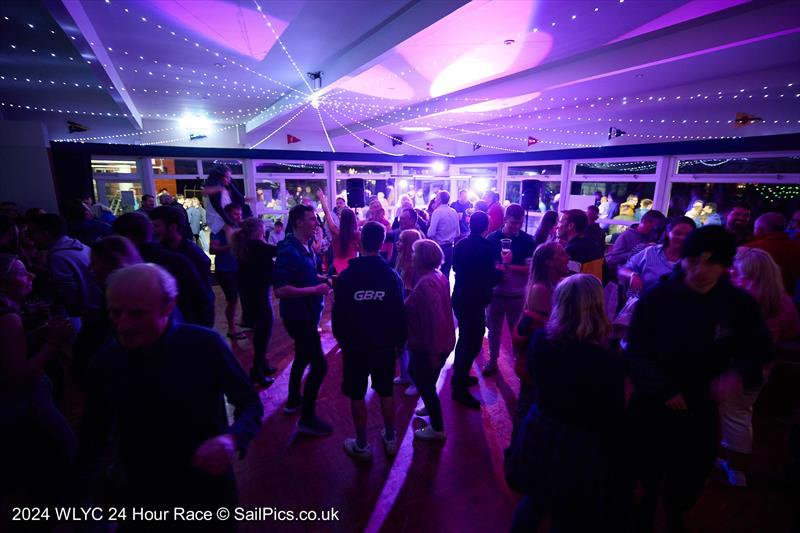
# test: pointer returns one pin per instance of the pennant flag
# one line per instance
(475, 146)
(428, 146)
(532, 141)
(367, 142)
(745, 119)
(195, 136)
(397, 141)
(291, 139)
(74, 127)
(615, 132)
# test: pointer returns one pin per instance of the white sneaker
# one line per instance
(411, 391)
(422, 411)
(389, 445)
(400, 381)
(735, 477)
(428, 433)
(362, 454)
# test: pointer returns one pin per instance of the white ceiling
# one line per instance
(488, 73)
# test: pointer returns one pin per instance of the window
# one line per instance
(268, 192)
(476, 187)
(477, 171)
(423, 170)
(426, 190)
(235, 166)
(348, 168)
(175, 167)
(299, 189)
(616, 167)
(616, 199)
(549, 194)
(289, 167)
(717, 198)
(106, 166)
(741, 165)
(120, 197)
(535, 170)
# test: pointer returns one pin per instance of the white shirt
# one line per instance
(444, 226)
(275, 237)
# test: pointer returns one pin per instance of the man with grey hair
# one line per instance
(769, 235)
(159, 390)
(444, 229)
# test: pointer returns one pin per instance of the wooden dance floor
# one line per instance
(457, 486)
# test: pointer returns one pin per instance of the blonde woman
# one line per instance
(757, 273)
(405, 269)
(431, 331)
(567, 455)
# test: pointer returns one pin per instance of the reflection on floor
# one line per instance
(455, 486)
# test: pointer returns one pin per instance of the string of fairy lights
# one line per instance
(341, 101)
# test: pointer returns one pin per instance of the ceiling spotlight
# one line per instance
(438, 166)
(314, 101)
(509, 41)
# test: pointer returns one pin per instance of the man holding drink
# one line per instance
(508, 295)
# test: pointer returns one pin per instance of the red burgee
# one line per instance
(291, 139)
(745, 119)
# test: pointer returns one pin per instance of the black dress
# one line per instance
(568, 456)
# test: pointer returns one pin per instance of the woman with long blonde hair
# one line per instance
(757, 273)
(567, 456)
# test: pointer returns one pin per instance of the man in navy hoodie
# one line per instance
(369, 322)
(301, 292)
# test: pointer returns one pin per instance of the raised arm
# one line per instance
(323, 201)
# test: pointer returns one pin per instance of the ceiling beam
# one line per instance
(738, 26)
(73, 19)
(415, 16)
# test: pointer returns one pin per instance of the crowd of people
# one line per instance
(124, 310)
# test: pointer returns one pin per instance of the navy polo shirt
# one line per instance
(296, 266)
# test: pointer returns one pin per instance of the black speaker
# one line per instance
(529, 199)
(355, 192)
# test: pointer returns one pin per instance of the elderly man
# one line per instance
(444, 229)
(769, 235)
(159, 390)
